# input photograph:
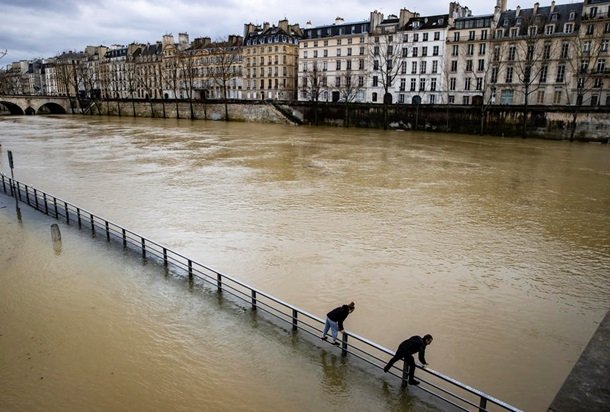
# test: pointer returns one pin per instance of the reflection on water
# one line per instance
(491, 245)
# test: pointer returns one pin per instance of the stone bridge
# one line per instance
(30, 105)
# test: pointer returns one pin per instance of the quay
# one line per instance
(587, 386)
(453, 394)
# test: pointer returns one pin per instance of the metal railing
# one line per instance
(443, 387)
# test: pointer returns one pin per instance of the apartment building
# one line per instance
(333, 62)
(467, 62)
(270, 55)
(532, 53)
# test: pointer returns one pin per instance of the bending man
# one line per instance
(406, 350)
(334, 321)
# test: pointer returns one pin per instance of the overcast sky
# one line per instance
(45, 28)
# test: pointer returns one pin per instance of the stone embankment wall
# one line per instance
(592, 124)
(245, 112)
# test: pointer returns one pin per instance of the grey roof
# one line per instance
(428, 22)
(560, 15)
(331, 30)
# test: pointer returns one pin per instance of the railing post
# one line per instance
(55, 205)
(219, 281)
(3, 184)
(190, 269)
(18, 191)
(253, 300)
(295, 315)
(483, 404)
(107, 231)
(67, 213)
(92, 224)
(27, 194)
(124, 238)
(46, 204)
(36, 198)
(405, 374)
(164, 257)
(78, 217)
(143, 248)
(344, 345)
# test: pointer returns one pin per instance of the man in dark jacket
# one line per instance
(334, 321)
(406, 350)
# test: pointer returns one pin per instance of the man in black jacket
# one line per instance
(406, 350)
(334, 321)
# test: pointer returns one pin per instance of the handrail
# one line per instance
(360, 347)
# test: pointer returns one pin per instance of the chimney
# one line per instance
(536, 5)
(375, 21)
(517, 11)
(168, 39)
(183, 39)
(266, 25)
(553, 6)
(339, 20)
(283, 24)
(308, 24)
(405, 16)
(249, 28)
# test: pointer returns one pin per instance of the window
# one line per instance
(509, 75)
(593, 11)
(348, 65)
(557, 97)
(435, 51)
(456, 36)
(594, 100)
(360, 81)
(349, 51)
(405, 38)
(511, 53)
(413, 84)
(403, 67)
(544, 70)
(361, 64)
(374, 97)
(549, 29)
(401, 98)
(494, 75)
(467, 83)
(437, 35)
(433, 84)
(481, 66)
(434, 67)
(432, 99)
(514, 32)
(482, 48)
(403, 84)
(546, 51)
(483, 34)
(533, 31)
(452, 83)
(465, 100)
(415, 52)
(390, 50)
(471, 35)
(375, 81)
(451, 99)
(590, 29)
(561, 71)
(376, 51)
(425, 36)
(479, 83)
(565, 47)
(405, 52)
(496, 53)
(470, 49)
(568, 28)
(361, 51)
(325, 53)
(540, 97)
(413, 67)
(424, 51)
(601, 65)
(422, 85)
(499, 33)
(598, 83)
(422, 67)
(455, 50)
(468, 65)
(454, 66)
(376, 65)
(415, 35)
(604, 45)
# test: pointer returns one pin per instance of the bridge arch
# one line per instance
(12, 108)
(30, 112)
(51, 108)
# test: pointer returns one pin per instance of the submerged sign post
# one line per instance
(13, 186)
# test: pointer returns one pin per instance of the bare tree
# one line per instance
(188, 74)
(226, 58)
(65, 79)
(386, 57)
(314, 83)
(586, 58)
(351, 86)
(3, 53)
(171, 78)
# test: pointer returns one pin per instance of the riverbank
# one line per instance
(592, 124)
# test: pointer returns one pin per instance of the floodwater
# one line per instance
(500, 248)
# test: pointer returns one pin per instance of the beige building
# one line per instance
(270, 56)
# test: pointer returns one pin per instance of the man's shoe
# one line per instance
(323, 338)
(413, 382)
(386, 368)
(336, 343)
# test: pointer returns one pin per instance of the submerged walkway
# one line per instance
(453, 394)
(587, 388)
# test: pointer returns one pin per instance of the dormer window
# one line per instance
(416, 24)
(533, 30)
(593, 11)
(506, 22)
(554, 17)
(549, 29)
(572, 15)
(519, 21)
